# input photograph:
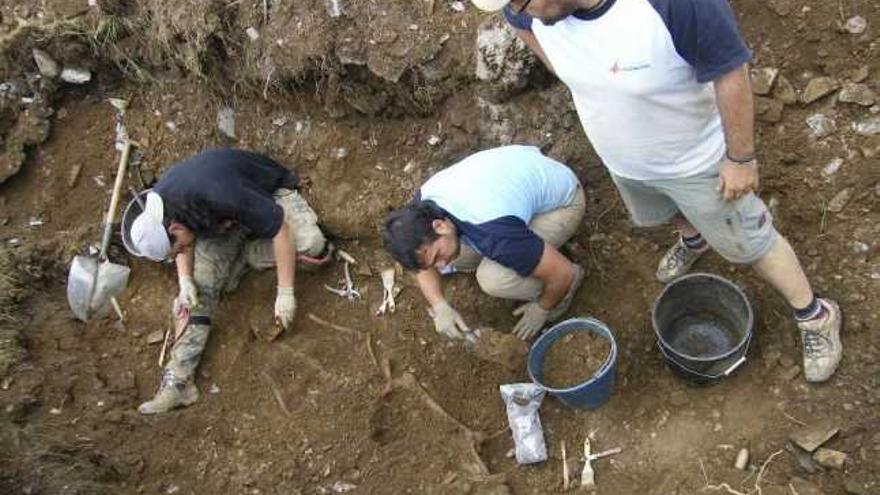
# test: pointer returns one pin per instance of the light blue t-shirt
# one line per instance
(492, 195)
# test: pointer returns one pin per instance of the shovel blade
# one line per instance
(92, 284)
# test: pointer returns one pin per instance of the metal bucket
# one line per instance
(704, 326)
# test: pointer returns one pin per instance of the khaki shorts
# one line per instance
(741, 231)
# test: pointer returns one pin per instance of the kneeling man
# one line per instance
(218, 214)
(503, 213)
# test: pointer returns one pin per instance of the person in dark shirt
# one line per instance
(218, 214)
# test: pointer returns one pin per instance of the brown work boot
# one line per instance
(821, 342)
(173, 393)
(678, 261)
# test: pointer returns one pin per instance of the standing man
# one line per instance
(662, 90)
(502, 213)
(216, 214)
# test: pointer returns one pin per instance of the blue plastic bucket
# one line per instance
(590, 394)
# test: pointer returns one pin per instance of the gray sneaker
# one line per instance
(678, 261)
(173, 392)
(821, 341)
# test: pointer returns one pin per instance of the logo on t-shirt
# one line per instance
(628, 67)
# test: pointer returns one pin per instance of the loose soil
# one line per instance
(575, 358)
(384, 405)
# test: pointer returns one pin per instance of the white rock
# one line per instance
(502, 58)
(226, 121)
(45, 64)
(856, 25)
(334, 8)
(821, 125)
(75, 75)
(434, 140)
(252, 33)
(342, 487)
(458, 6)
(859, 247)
(867, 127)
(833, 167)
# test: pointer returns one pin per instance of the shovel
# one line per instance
(93, 282)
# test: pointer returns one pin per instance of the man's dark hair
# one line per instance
(408, 229)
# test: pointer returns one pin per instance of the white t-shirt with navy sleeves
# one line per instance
(640, 75)
(491, 196)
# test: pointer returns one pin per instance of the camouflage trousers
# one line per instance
(221, 262)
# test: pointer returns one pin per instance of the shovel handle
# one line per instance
(114, 199)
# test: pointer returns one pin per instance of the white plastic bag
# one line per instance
(523, 401)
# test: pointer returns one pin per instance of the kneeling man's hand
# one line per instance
(448, 321)
(285, 306)
(534, 317)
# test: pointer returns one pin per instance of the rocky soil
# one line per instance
(366, 100)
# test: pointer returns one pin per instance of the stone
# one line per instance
(804, 487)
(857, 93)
(811, 437)
(226, 121)
(791, 373)
(821, 125)
(857, 487)
(860, 74)
(503, 61)
(871, 147)
(47, 66)
(784, 91)
(839, 201)
(768, 110)
(76, 75)
(830, 458)
(855, 25)
(156, 337)
(781, 7)
(832, 167)
(817, 88)
(867, 127)
(763, 79)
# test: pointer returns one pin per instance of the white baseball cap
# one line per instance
(490, 5)
(148, 233)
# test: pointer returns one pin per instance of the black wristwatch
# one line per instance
(749, 160)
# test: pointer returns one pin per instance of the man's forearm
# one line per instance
(285, 256)
(185, 261)
(431, 285)
(733, 92)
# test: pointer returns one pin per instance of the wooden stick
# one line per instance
(566, 482)
(277, 393)
(334, 326)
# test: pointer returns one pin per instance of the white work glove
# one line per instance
(448, 322)
(534, 317)
(187, 298)
(285, 306)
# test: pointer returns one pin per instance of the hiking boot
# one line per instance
(821, 340)
(678, 261)
(173, 392)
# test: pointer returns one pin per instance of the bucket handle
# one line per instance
(726, 372)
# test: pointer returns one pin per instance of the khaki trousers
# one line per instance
(555, 227)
